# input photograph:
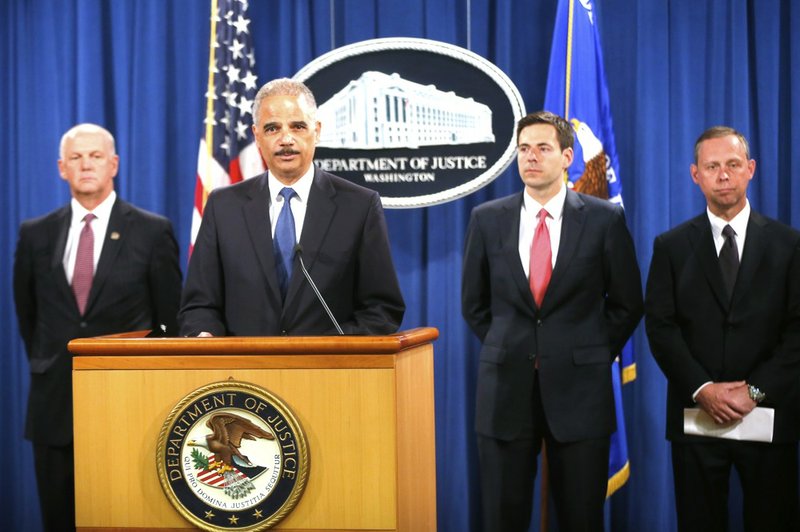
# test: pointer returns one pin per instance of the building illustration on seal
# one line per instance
(380, 111)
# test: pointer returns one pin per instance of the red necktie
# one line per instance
(541, 266)
(84, 264)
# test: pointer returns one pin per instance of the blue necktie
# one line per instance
(284, 241)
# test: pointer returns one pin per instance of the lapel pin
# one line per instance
(114, 235)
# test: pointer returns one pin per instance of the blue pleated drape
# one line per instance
(139, 67)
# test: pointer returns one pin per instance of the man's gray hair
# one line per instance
(85, 128)
(285, 87)
(717, 132)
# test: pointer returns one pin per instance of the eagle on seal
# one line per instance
(593, 180)
(229, 431)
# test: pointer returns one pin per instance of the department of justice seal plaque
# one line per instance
(232, 456)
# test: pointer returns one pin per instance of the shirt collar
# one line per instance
(302, 186)
(738, 222)
(102, 211)
(554, 207)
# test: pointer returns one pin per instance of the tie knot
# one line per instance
(287, 193)
(542, 215)
(88, 218)
(728, 232)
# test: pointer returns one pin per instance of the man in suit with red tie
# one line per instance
(723, 320)
(552, 289)
(96, 266)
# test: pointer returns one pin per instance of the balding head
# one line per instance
(86, 128)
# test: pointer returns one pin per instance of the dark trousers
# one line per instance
(55, 479)
(578, 476)
(768, 473)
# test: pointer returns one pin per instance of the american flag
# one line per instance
(227, 152)
(213, 478)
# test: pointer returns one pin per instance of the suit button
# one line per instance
(539, 323)
(83, 325)
(284, 333)
(531, 356)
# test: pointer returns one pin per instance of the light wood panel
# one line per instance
(333, 407)
(416, 440)
(368, 418)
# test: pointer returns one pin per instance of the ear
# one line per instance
(115, 165)
(317, 129)
(62, 168)
(693, 170)
(255, 138)
(568, 154)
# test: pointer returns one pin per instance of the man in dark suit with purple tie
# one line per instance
(245, 276)
(96, 266)
(552, 289)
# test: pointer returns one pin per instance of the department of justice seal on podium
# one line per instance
(232, 456)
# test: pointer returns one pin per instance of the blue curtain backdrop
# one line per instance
(139, 68)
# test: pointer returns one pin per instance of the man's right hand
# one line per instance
(725, 401)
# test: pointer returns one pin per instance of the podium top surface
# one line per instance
(135, 344)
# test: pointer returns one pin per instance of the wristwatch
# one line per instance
(755, 394)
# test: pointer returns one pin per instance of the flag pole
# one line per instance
(210, 104)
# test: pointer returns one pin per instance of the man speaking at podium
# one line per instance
(265, 242)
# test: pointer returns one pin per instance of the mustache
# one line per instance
(286, 151)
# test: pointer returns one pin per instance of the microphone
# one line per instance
(298, 250)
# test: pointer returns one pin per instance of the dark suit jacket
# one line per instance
(591, 307)
(136, 286)
(698, 335)
(232, 288)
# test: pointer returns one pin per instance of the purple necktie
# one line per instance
(84, 264)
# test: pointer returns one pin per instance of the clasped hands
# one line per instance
(725, 401)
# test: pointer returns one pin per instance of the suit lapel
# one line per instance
(752, 255)
(116, 234)
(57, 234)
(573, 220)
(507, 221)
(322, 203)
(702, 242)
(256, 216)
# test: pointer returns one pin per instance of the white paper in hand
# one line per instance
(755, 426)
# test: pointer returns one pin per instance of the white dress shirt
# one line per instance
(299, 202)
(739, 225)
(528, 221)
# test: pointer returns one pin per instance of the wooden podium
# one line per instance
(365, 403)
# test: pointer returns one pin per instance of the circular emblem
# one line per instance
(421, 122)
(232, 456)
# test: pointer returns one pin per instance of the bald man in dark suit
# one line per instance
(127, 280)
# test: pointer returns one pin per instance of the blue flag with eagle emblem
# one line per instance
(576, 90)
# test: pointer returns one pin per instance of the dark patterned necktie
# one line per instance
(84, 264)
(284, 241)
(729, 259)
